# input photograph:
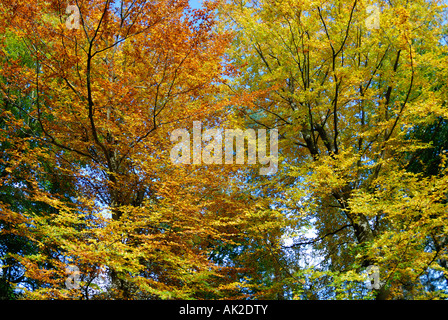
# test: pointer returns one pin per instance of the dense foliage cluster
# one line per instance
(93, 207)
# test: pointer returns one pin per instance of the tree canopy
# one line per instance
(92, 205)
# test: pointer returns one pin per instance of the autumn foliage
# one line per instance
(86, 180)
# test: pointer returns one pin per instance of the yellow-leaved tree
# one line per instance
(346, 83)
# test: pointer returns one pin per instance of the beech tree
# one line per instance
(107, 83)
(345, 83)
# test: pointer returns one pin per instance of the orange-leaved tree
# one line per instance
(107, 84)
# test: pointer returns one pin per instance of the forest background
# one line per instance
(92, 207)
